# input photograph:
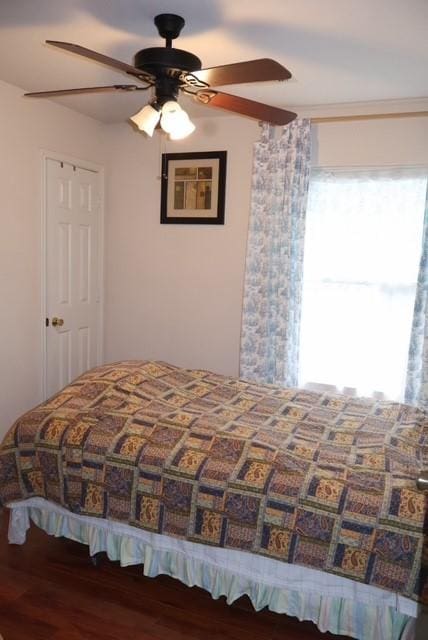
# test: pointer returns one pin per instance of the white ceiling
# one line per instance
(339, 51)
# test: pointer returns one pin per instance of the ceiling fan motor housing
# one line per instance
(158, 60)
(161, 63)
(166, 63)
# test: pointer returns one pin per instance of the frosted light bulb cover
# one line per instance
(171, 112)
(183, 127)
(146, 119)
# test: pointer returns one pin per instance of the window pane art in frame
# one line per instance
(193, 187)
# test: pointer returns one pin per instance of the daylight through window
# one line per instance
(362, 250)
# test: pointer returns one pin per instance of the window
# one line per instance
(362, 251)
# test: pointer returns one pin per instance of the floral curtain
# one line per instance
(274, 267)
(417, 370)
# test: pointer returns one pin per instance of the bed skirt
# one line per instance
(334, 604)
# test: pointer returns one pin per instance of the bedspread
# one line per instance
(320, 480)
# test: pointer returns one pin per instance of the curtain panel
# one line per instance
(274, 265)
(417, 370)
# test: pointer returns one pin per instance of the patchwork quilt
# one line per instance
(324, 481)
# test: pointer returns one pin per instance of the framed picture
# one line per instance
(193, 187)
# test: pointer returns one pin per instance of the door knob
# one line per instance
(57, 322)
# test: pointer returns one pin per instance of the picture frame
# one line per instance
(193, 187)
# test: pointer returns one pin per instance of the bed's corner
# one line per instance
(19, 523)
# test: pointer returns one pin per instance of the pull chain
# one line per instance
(162, 147)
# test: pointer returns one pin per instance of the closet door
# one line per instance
(73, 309)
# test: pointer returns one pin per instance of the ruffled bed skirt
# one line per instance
(129, 546)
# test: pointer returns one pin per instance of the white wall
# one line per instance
(26, 127)
(371, 143)
(174, 292)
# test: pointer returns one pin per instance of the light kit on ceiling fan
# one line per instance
(168, 71)
(173, 120)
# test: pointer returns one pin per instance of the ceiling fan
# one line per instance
(169, 70)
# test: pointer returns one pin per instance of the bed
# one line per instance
(306, 502)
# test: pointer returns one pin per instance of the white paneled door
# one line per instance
(73, 305)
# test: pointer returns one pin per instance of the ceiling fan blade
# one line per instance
(260, 70)
(100, 57)
(68, 92)
(245, 107)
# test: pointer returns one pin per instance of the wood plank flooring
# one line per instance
(49, 590)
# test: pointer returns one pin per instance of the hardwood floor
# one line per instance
(49, 590)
